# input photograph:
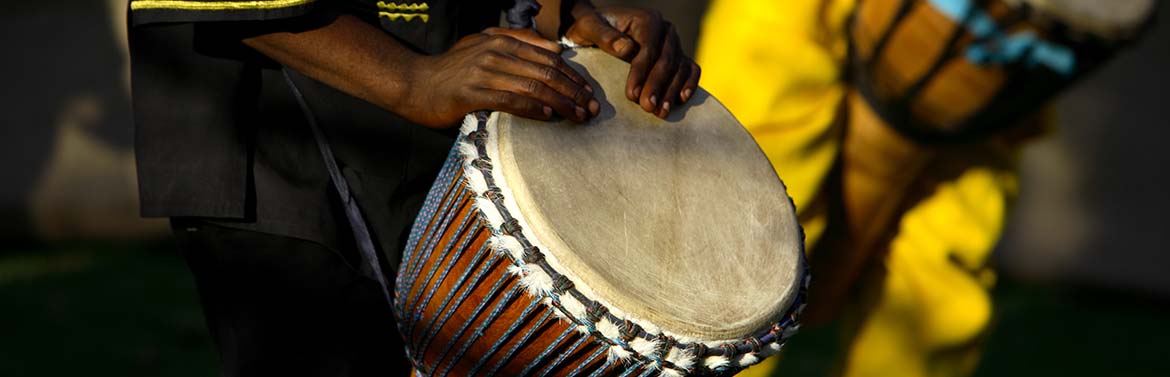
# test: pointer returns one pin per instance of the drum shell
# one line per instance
(448, 270)
(910, 60)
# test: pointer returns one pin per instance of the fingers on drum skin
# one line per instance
(525, 35)
(692, 83)
(681, 88)
(672, 93)
(661, 73)
(515, 104)
(517, 67)
(580, 95)
(538, 91)
(539, 56)
(650, 37)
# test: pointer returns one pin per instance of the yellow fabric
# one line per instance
(772, 64)
(931, 305)
(776, 66)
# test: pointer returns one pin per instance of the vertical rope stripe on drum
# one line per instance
(454, 256)
(422, 222)
(438, 198)
(420, 309)
(503, 338)
(428, 236)
(479, 275)
(561, 358)
(445, 312)
(522, 342)
(430, 204)
(630, 370)
(491, 317)
(609, 362)
(434, 331)
(589, 361)
(418, 229)
(570, 330)
(475, 313)
(436, 233)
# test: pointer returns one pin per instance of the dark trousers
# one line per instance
(280, 306)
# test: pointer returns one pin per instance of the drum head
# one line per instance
(680, 222)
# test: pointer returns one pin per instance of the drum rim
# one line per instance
(627, 336)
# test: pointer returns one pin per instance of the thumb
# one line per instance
(592, 30)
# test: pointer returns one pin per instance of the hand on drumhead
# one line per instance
(660, 73)
(514, 71)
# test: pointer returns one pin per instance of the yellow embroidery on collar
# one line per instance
(401, 7)
(215, 5)
(404, 11)
(405, 16)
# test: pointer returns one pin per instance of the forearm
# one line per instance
(349, 55)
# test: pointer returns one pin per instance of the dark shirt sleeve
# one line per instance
(195, 94)
(155, 11)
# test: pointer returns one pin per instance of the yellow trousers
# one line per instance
(925, 307)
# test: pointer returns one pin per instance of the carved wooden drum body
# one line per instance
(628, 245)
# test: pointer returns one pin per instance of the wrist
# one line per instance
(397, 79)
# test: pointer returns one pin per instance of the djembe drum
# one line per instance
(628, 245)
(958, 70)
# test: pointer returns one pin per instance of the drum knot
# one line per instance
(698, 349)
(532, 255)
(477, 135)
(628, 330)
(511, 227)
(482, 163)
(755, 344)
(595, 311)
(494, 194)
(562, 284)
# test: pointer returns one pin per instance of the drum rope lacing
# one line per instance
(658, 350)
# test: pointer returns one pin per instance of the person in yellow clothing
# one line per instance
(899, 232)
(896, 127)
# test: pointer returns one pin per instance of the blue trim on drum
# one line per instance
(993, 46)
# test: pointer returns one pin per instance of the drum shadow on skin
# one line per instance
(607, 111)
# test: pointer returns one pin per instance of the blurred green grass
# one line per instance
(101, 311)
(133, 311)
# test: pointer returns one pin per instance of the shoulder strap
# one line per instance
(361, 232)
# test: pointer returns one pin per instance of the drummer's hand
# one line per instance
(660, 73)
(515, 71)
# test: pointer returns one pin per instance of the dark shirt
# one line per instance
(220, 137)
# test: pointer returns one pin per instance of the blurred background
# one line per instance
(87, 286)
